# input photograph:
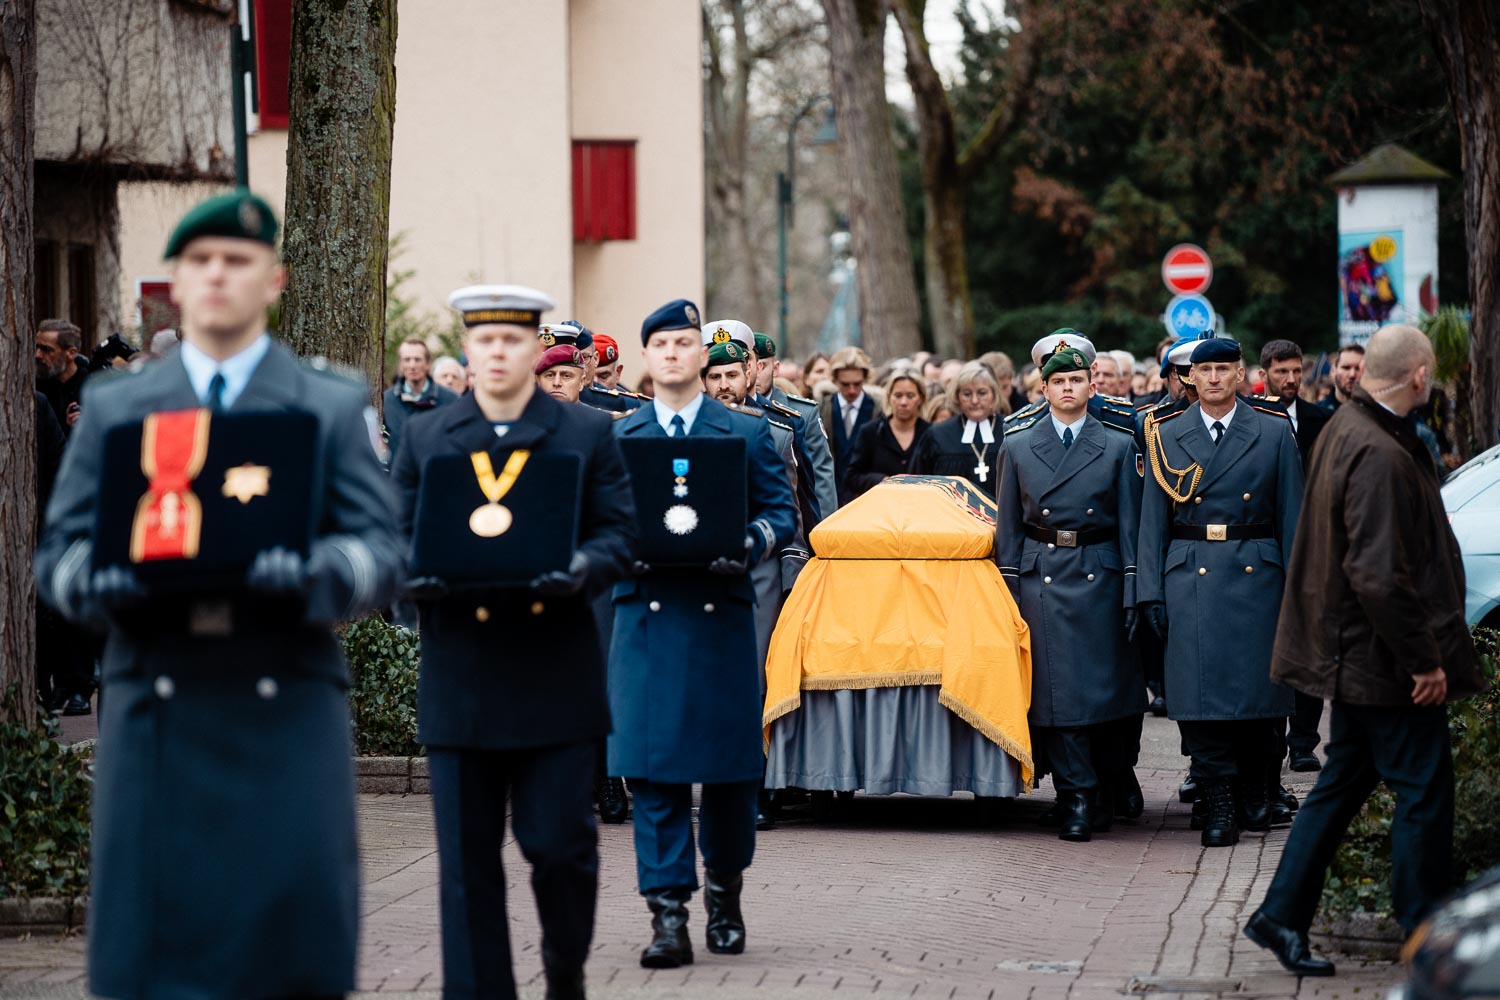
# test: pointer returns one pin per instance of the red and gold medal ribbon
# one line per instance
(169, 517)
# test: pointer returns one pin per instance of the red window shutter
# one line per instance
(273, 57)
(603, 190)
(157, 309)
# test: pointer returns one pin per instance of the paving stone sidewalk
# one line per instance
(897, 897)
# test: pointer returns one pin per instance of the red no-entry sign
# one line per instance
(1187, 270)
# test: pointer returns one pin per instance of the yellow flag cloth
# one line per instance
(904, 591)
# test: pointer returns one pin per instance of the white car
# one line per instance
(1471, 496)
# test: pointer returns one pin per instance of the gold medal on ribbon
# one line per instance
(492, 520)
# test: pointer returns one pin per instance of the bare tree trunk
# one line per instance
(17, 372)
(947, 274)
(338, 193)
(888, 311)
(1466, 34)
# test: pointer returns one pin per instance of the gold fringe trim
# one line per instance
(858, 682)
(992, 733)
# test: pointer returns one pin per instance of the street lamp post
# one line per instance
(784, 182)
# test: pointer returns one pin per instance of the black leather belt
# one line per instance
(1070, 539)
(1222, 532)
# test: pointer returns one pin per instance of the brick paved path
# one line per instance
(899, 897)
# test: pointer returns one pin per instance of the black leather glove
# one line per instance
(1132, 622)
(1156, 617)
(724, 566)
(563, 583)
(278, 572)
(116, 588)
(425, 588)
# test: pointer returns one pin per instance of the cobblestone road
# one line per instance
(898, 897)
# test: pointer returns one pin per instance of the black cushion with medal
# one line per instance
(253, 491)
(462, 537)
(690, 495)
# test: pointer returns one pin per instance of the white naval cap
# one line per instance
(1182, 352)
(479, 304)
(722, 331)
(1056, 341)
(558, 333)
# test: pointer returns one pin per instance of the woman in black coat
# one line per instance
(885, 447)
(967, 445)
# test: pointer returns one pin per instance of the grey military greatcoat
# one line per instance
(1222, 597)
(224, 857)
(1073, 597)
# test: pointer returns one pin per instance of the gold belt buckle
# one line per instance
(1218, 532)
(1067, 539)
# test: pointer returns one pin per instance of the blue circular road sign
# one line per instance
(1188, 316)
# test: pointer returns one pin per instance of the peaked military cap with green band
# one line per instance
(238, 214)
(1069, 359)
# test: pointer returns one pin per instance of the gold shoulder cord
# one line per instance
(1158, 455)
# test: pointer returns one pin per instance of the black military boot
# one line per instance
(1189, 791)
(1128, 801)
(609, 793)
(1254, 803)
(1221, 826)
(670, 946)
(726, 924)
(1076, 817)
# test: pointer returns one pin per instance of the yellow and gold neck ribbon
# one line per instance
(496, 487)
(169, 517)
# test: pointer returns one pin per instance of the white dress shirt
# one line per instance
(688, 413)
(1077, 425)
(236, 370)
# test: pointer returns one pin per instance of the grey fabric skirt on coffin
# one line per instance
(886, 740)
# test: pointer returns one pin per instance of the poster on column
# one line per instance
(1370, 283)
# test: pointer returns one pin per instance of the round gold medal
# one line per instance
(490, 520)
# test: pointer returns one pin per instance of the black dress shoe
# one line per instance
(1280, 814)
(726, 924)
(1221, 826)
(1188, 790)
(1075, 816)
(1287, 798)
(1159, 707)
(1254, 803)
(1304, 760)
(1290, 947)
(1129, 803)
(78, 705)
(614, 806)
(670, 946)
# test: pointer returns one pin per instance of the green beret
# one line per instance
(1069, 359)
(726, 353)
(238, 214)
(765, 346)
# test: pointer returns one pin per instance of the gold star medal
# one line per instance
(244, 482)
(491, 520)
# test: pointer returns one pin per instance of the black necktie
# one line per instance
(216, 392)
(679, 426)
(1218, 430)
(1067, 437)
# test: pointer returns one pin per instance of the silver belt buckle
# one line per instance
(1067, 539)
(1218, 532)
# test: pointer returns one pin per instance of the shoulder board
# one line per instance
(1275, 413)
(602, 390)
(1148, 406)
(1026, 411)
(1119, 427)
(1168, 416)
(631, 395)
(777, 422)
(749, 411)
(1151, 409)
(802, 399)
(1115, 399)
(1012, 426)
(1265, 399)
(785, 411)
(1112, 405)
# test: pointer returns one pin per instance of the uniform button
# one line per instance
(1091, 578)
(1089, 511)
(654, 605)
(164, 687)
(1247, 496)
(1249, 569)
(266, 688)
(537, 607)
(1051, 545)
(1197, 499)
(708, 608)
(1046, 513)
(1202, 571)
(1046, 579)
(481, 614)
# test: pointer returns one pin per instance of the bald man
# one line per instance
(1380, 632)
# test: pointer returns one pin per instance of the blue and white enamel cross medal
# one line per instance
(680, 471)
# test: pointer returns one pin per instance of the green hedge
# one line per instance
(1360, 876)
(44, 811)
(383, 660)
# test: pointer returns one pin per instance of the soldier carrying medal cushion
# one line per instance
(682, 714)
(1069, 510)
(506, 721)
(1217, 522)
(224, 825)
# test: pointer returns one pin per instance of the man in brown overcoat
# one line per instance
(1373, 621)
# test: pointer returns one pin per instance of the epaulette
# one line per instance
(1118, 427)
(1271, 403)
(1121, 400)
(1277, 413)
(602, 390)
(1113, 405)
(776, 422)
(785, 411)
(1169, 416)
(1012, 427)
(1026, 411)
(1151, 406)
(802, 399)
(632, 395)
(749, 411)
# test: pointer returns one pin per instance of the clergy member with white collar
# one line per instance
(966, 445)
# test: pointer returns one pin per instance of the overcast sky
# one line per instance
(944, 36)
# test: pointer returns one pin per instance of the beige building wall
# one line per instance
(637, 74)
(481, 183)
